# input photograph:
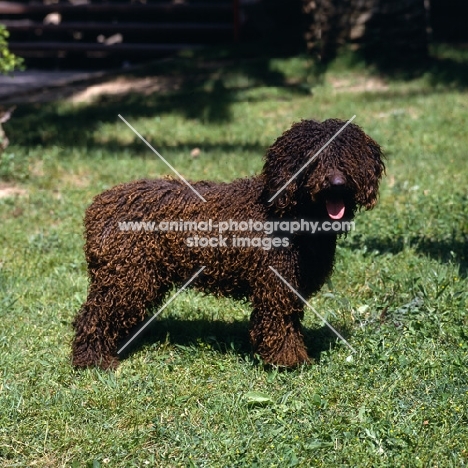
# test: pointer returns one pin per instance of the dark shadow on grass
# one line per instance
(224, 337)
(453, 250)
(447, 66)
(321, 340)
(202, 87)
(438, 70)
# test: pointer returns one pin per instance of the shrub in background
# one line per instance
(8, 60)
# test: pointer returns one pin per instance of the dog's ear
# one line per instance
(373, 169)
(284, 160)
(280, 186)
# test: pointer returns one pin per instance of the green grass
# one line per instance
(190, 394)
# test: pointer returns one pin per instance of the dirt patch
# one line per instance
(91, 91)
(123, 85)
(90, 87)
(399, 112)
(358, 84)
(77, 181)
(10, 190)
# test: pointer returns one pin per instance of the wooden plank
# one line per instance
(169, 25)
(16, 8)
(29, 25)
(96, 47)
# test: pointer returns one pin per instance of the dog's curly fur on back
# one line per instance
(131, 271)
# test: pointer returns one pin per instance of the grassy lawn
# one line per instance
(189, 394)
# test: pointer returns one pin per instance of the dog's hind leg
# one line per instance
(113, 307)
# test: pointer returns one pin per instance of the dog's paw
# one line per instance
(88, 358)
(289, 358)
(291, 353)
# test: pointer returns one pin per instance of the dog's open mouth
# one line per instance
(335, 208)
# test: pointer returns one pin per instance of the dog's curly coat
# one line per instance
(131, 271)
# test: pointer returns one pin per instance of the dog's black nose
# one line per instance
(337, 179)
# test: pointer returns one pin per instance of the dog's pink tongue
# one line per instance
(335, 209)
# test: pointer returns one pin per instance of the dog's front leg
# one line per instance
(275, 328)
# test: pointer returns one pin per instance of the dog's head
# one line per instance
(322, 166)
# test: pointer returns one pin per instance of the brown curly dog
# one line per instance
(133, 270)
